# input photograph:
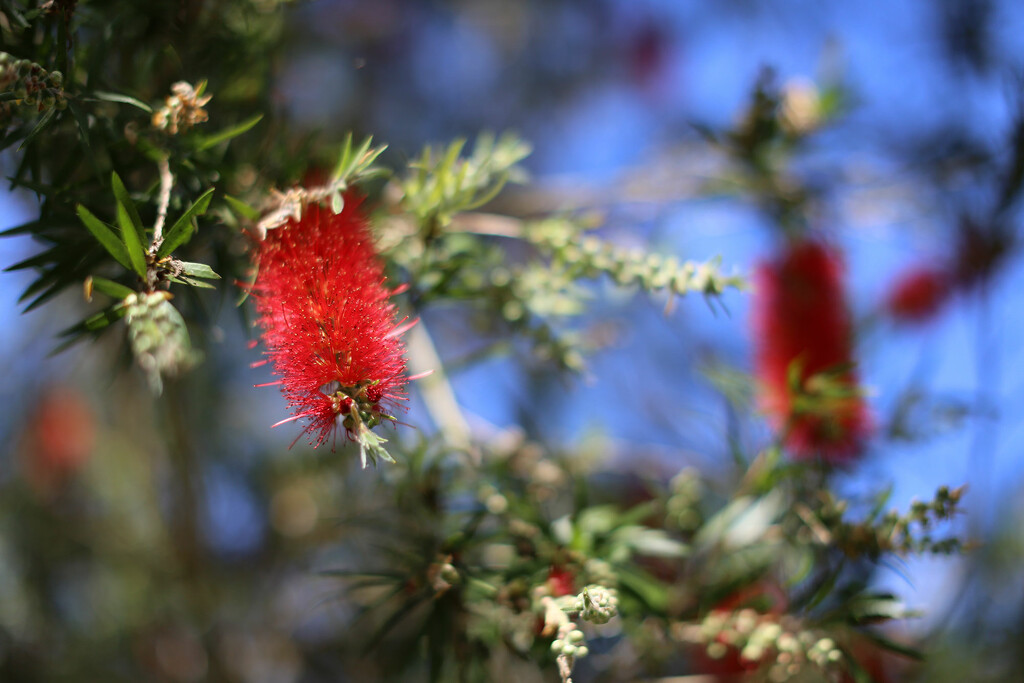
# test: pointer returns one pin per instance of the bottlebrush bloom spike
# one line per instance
(329, 327)
(918, 294)
(803, 353)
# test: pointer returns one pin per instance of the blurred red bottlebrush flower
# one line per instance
(61, 434)
(328, 324)
(918, 294)
(561, 581)
(803, 353)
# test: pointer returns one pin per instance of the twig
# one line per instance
(163, 201)
(438, 395)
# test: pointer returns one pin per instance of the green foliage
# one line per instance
(466, 552)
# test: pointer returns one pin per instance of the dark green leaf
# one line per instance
(22, 229)
(183, 228)
(104, 236)
(225, 135)
(92, 324)
(136, 254)
(48, 256)
(43, 123)
(83, 130)
(199, 270)
(893, 646)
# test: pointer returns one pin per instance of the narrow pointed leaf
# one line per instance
(43, 123)
(241, 208)
(121, 192)
(122, 99)
(83, 130)
(183, 228)
(104, 236)
(111, 288)
(136, 254)
(224, 135)
(199, 270)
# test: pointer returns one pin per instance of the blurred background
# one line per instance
(627, 104)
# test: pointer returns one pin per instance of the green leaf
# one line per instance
(183, 228)
(199, 270)
(43, 123)
(111, 288)
(122, 99)
(104, 236)
(192, 283)
(241, 208)
(83, 129)
(893, 646)
(224, 135)
(121, 193)
(136, 254)
(48, 256)
(643, 585)
(876, 608)
(93, 323)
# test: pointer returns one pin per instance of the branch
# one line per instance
(163, 201)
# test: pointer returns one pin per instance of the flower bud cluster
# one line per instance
(591, 257)
(182, 109)
(683, 505)
(570, 642)
(894, 532)
(158, 336)
(779, 643)
(597, 604)
(32, 85)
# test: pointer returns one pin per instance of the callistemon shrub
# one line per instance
(329, 326)
(804, 354)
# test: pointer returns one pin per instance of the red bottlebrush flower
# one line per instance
(328, 324)
(802, 330)
(918, 294)
(561, 581)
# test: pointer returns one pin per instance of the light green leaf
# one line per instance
(192, 283)
(225, 135)
(111, 288)
(123, 99)
(136, 254)
(183, 228)
(199, 270)
(104, 236)
(241, 208)
(121, 193)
